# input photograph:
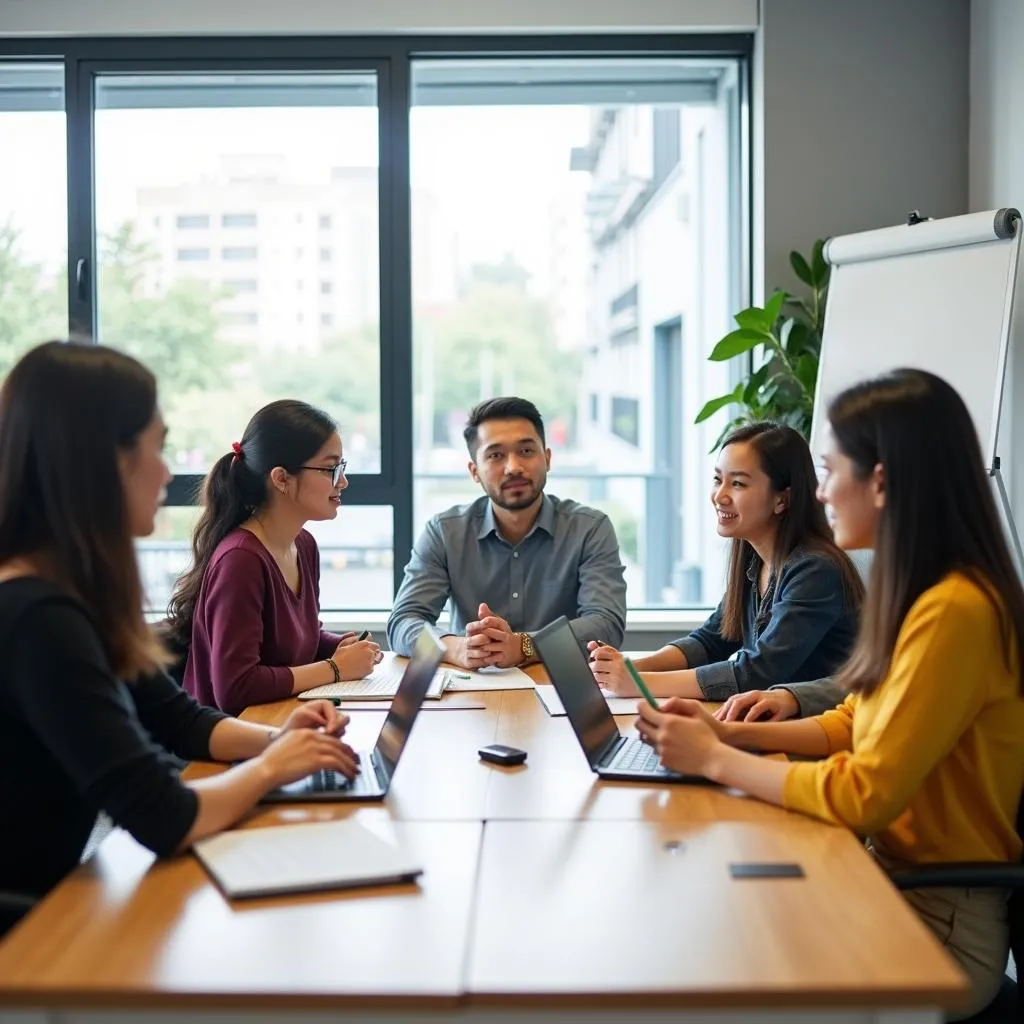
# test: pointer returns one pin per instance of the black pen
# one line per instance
(362, 636)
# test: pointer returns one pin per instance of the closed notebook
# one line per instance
(303, 858)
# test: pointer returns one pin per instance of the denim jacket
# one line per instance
(802, 629)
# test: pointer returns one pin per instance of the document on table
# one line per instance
(460, 680)
(458, 704)
(548, 696)
(303, 858)
(380, 684)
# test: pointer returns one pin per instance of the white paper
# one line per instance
(460, 680)
(553, 703)
(302, 858)
(381, 684)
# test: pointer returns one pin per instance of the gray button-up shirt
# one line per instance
(568, 564)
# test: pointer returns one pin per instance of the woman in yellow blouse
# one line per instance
(926, 755)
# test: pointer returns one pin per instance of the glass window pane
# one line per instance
(166, 554)
(33, 209)
(573, 244)
(355, 557)
(215, 193)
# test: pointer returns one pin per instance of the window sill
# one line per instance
(640, 622)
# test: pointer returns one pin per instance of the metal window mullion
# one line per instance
(396, 354)
(81, 156)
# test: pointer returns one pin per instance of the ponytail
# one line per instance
(231, 493)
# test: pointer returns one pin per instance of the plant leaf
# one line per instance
(819, 268)
(754, 318)
(735, 344)
(773, 307)
(796, 337)
(801, 269)
(807, 371)
(711, 407)
(754, 384)
(785, 330)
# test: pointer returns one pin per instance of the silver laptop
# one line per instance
(610, 754)
(377, 766)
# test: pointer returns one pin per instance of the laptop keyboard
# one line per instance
(634, 756)
(334, 782)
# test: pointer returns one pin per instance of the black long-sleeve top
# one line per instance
(75, 740)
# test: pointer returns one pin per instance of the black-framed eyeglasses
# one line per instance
(337, 472)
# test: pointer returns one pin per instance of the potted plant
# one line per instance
(787, 330)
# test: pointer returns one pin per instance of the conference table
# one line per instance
(545, 892)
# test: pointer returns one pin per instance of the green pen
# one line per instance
(640, 684)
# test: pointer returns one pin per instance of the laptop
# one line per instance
(610, 754)
(377, 766)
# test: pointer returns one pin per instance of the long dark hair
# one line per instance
(286, 434)
(939, 514)
(66, 410)
(786, 460)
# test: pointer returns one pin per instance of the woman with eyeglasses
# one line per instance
(88, 719)
(248, 610)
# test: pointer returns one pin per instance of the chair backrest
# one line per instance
(176, 670)
(1015, 915)
(13, 907)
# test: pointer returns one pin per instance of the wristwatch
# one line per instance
(529, 652)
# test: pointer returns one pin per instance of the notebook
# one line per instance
(380, 684)
(302, 858)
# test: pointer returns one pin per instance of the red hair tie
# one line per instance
(239, 455)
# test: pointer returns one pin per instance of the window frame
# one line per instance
(390, 58)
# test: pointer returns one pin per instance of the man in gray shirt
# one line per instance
(513, 560)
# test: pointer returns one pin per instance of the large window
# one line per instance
(569, 246)
(33, 208)
(393, 229)
(201, 177)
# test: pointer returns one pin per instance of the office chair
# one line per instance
(13, 907)
(1008, 1006)
(176, 670)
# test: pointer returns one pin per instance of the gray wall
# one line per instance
(865, 117)
(133, 17)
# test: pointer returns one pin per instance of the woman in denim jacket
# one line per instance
(792, 597)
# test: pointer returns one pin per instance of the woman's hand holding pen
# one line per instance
(356, 656)
(609, 668)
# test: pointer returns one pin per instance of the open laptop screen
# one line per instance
(405, 705)
(585, 706)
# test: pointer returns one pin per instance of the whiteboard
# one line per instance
(937, 296)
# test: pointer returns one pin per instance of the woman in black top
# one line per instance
(88, 719)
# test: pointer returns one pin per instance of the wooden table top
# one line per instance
(646, 914)
(512, 857)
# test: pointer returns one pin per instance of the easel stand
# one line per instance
(1011, 524)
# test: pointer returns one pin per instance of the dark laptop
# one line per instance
(611, 755)
(377, 766)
